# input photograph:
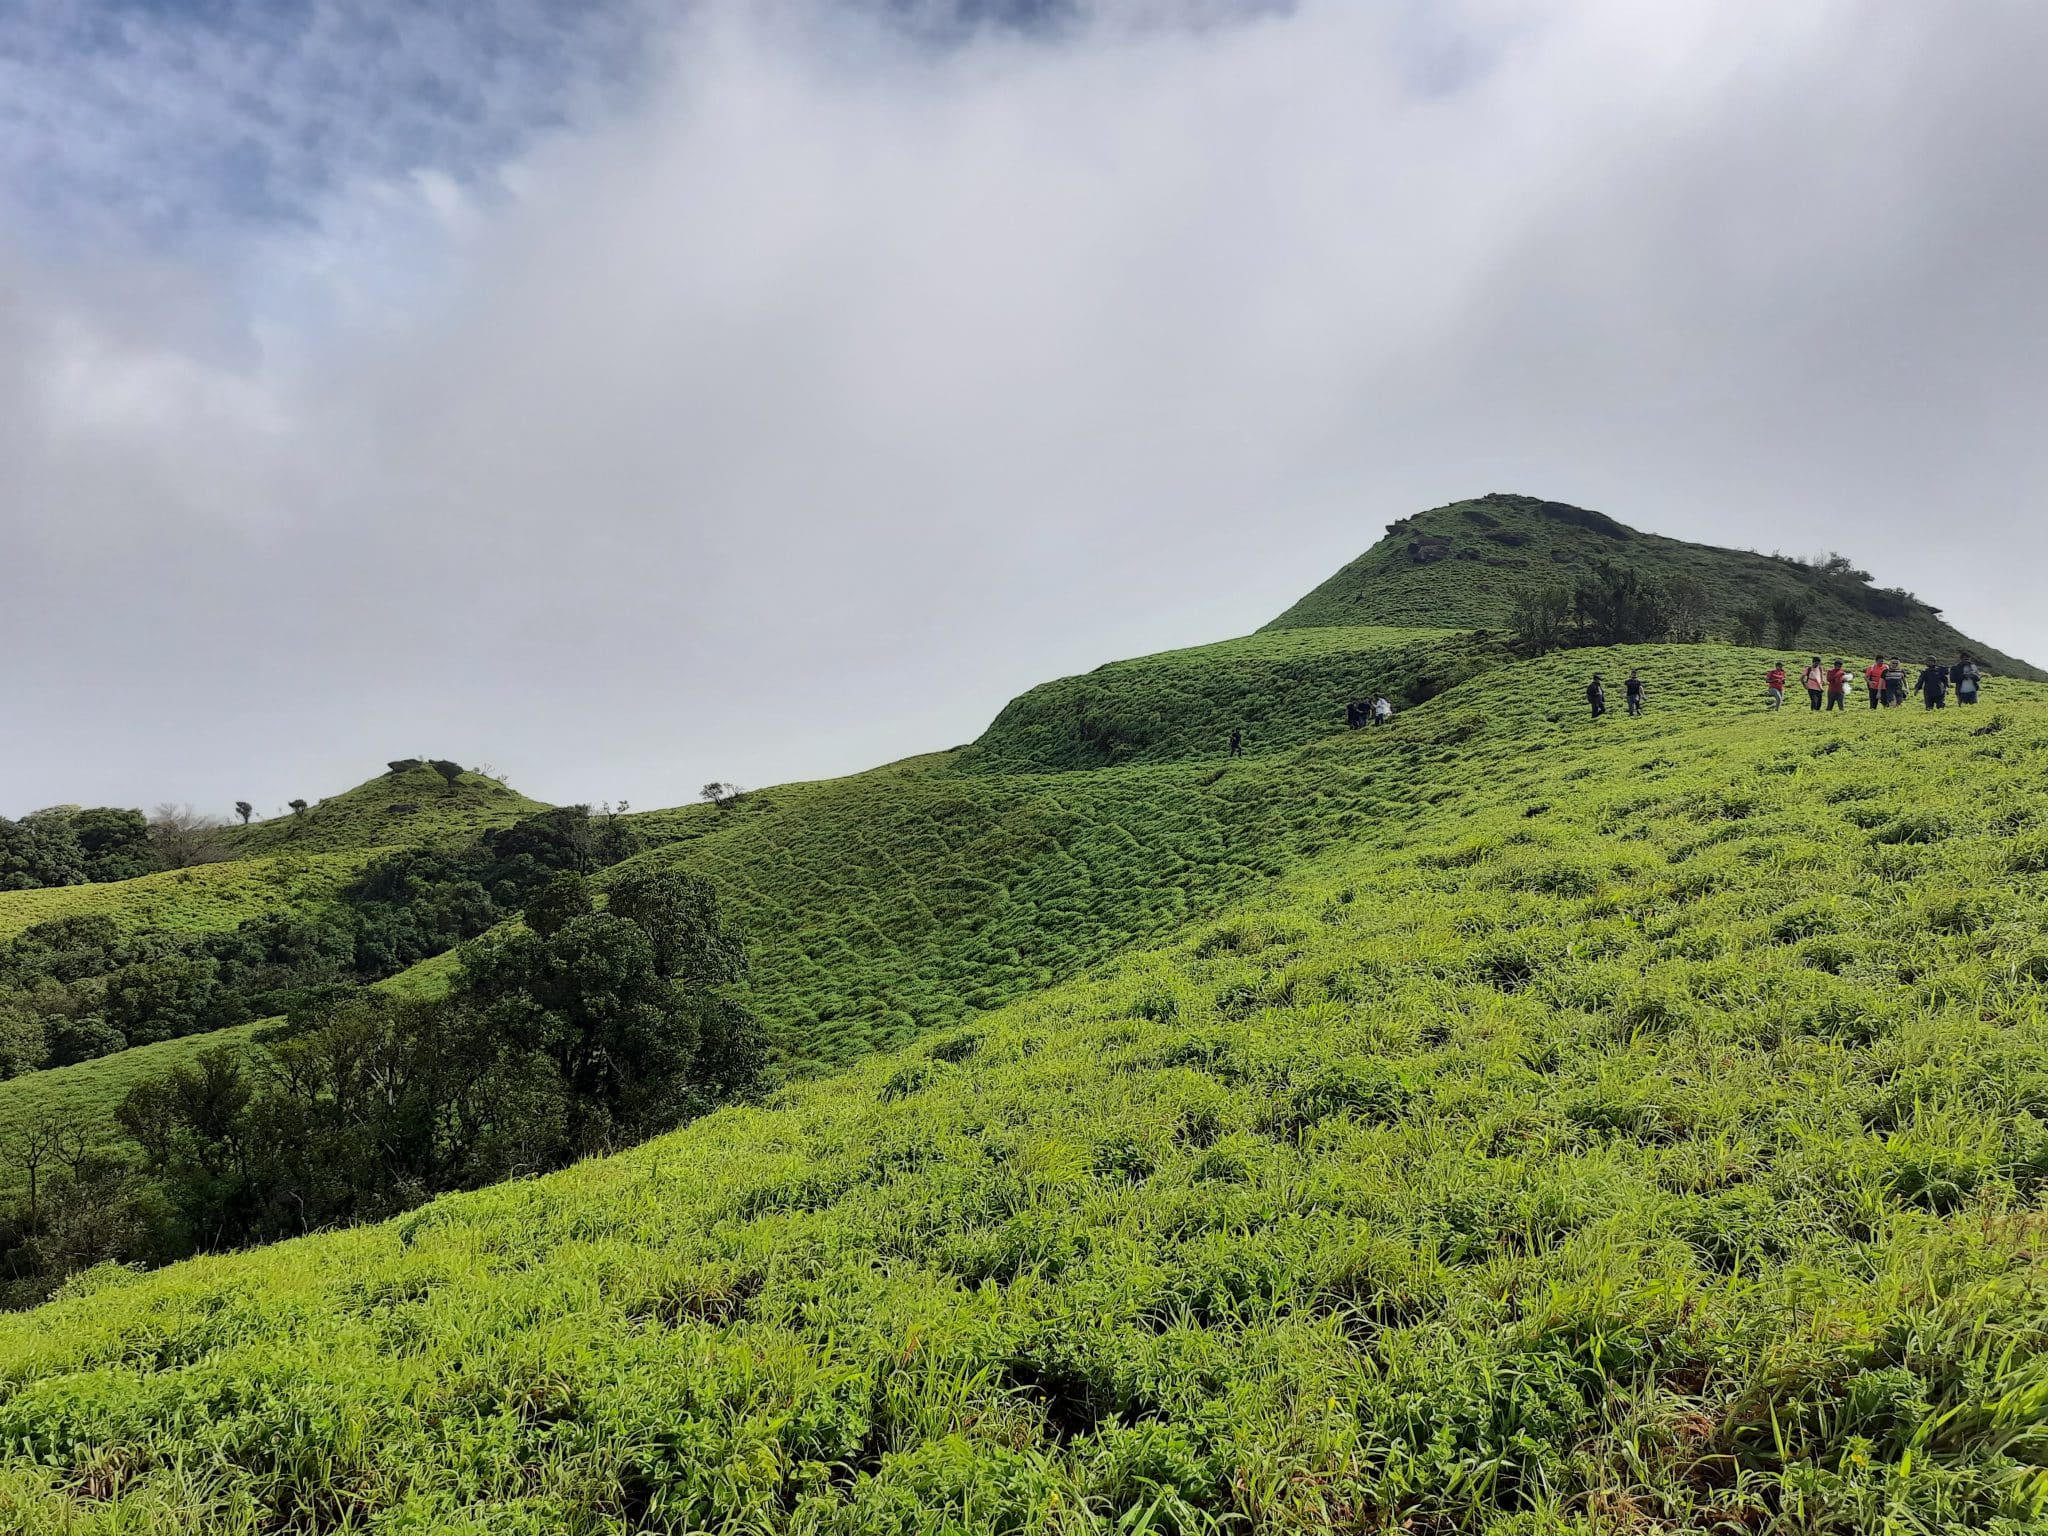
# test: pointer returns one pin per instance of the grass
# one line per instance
(206, 898)
(1463, 564)
(1282, 688)
(1616, 1127)
(409, 808)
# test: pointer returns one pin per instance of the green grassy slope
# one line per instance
(1462, 565)
(411, 808)
(1651, 1137)
(890, 903)
(1281, 688)
(206, 898)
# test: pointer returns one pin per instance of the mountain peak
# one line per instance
(1463, 565)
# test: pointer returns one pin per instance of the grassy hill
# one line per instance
(1462, 565)
(1650, 1135)
(205, 898)
(412, 807)
(1281, 689)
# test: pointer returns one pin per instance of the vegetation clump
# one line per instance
(578, 1032)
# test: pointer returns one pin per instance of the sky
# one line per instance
(622, 395)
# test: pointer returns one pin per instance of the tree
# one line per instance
(115, 842)
(548, 840)
(679, 915)
(40, 850)
(296, 807)
(1618, 605)
(86, 1037)
(627, 1004)
(1538, 622)
(1752, 626)
(244, 810)
(450, 772)
(722, 794)
(34, 1147)
(194, 1129)
(164, 999)
(558, 903)
(1688, 604)
(24, 1041)
(617, 839)
(181, 837)
(1788, 620)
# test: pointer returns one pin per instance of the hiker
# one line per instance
(1894, 682)
(1237, 743)
(1838, 685)
(1596, 696)
(1873, 679)
(1967, 678)
(1354, 714)
(1932, 685)
(1774, 684)
(1633, 688)
(1382, 710)
(1815, 681)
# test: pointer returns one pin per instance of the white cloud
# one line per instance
(796, 416)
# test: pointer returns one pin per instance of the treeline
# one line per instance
(80, 987)
(65, 845)
(1617, 604)
(577, 1032)
(1610, 604)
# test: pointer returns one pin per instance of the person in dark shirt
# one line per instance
(1932, 685)
(1237, 743)
(1633, 688)
(1596, 696)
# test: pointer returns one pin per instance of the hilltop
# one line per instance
(406, 805)
(1463, 565)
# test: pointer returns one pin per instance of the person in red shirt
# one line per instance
(1873, 677)
(1774, 681)
(1838, 686)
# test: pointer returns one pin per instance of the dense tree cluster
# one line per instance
(67, 845)
(81, 987)
(1610, 605)
(578, 1032)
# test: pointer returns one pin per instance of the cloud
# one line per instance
(828, 379)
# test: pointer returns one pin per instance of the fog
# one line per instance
(767, 392)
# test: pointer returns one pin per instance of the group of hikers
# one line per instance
(1884, 680)
(1376, 711)
(1632, 690)
(1828, 687)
